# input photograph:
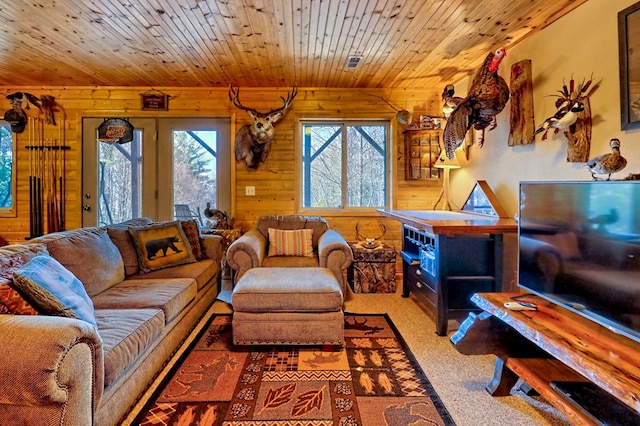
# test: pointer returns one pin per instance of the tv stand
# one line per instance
(549, 346)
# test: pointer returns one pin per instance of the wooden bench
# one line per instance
(550, 345)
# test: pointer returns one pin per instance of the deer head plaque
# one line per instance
(253, 141)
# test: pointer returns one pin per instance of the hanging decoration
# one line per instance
(115, 130)
(521, 119)
(154, 100)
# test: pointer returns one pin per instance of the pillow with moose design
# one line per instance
(161, 245)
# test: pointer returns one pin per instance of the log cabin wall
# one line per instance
(277, 186)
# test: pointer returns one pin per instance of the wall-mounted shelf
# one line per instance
(422, 148)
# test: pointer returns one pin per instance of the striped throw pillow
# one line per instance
(290, 243)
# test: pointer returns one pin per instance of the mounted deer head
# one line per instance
(253, 141)
(370, 243)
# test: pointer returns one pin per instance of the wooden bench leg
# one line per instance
(503, 379)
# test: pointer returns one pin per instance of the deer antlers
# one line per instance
(234, 97)
(370, 243)
(253, 141)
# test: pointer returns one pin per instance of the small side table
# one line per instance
(373, 270)
(228, 236)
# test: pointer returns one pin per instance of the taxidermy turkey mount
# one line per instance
(253, 141)
(487, 97)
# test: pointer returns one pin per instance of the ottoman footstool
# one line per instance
(293, 306)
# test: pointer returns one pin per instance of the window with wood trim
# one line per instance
(345, 164)
(7, 171)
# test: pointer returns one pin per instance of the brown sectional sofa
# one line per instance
(63, 371)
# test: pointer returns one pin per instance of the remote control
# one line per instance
(520, 306)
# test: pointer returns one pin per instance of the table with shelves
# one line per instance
(449, 256)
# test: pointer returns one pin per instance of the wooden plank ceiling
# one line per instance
(259, 43)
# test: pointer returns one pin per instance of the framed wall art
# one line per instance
(629, 47)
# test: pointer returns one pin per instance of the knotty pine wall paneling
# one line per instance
(276, 181)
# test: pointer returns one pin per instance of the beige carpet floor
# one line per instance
(458, 379)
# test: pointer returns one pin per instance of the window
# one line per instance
(344, 164)
(7, 172)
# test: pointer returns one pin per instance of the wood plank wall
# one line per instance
(275, 181)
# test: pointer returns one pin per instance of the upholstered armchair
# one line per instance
(328, 249)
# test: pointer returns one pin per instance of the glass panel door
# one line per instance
(195, 167)
(188, 164)
(194, 173)
(118, 180)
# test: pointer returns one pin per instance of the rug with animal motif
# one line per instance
(372, 380)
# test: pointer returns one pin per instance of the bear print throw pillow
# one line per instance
(161, 245)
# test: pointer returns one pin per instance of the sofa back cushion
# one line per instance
(120, 236)
(90, 255)
(317, 223)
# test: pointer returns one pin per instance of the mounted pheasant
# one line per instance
(487, 96)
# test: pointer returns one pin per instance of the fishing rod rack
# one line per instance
(47, 177)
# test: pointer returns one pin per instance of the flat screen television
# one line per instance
(579, 247)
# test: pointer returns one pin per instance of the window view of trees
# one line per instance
(194, 169)
(120, 181)
(344, 165)
(120, 178)
(6, 167)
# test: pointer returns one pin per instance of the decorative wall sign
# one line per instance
(629, 46)
(154, 100)
(115, 130)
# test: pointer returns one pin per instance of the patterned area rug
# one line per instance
(373, 380)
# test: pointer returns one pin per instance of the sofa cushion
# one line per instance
(11, 301)
(126, 333)
(120, 236)
(91, 256)
(170, 295)
(287, 290)
(161, 245)
(54, 289)
(290, 262)
(295, 242)
(25, 251)
(192, 232)
(203, 272)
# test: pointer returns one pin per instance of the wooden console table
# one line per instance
(551, 345)
(449, 256)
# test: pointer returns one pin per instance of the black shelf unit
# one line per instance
(443, 271)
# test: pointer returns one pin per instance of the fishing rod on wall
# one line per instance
(47, 169)
(47, 160)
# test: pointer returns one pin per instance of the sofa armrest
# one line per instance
(212, 246)
(247, 252)
(51, 367)
(335, 253)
